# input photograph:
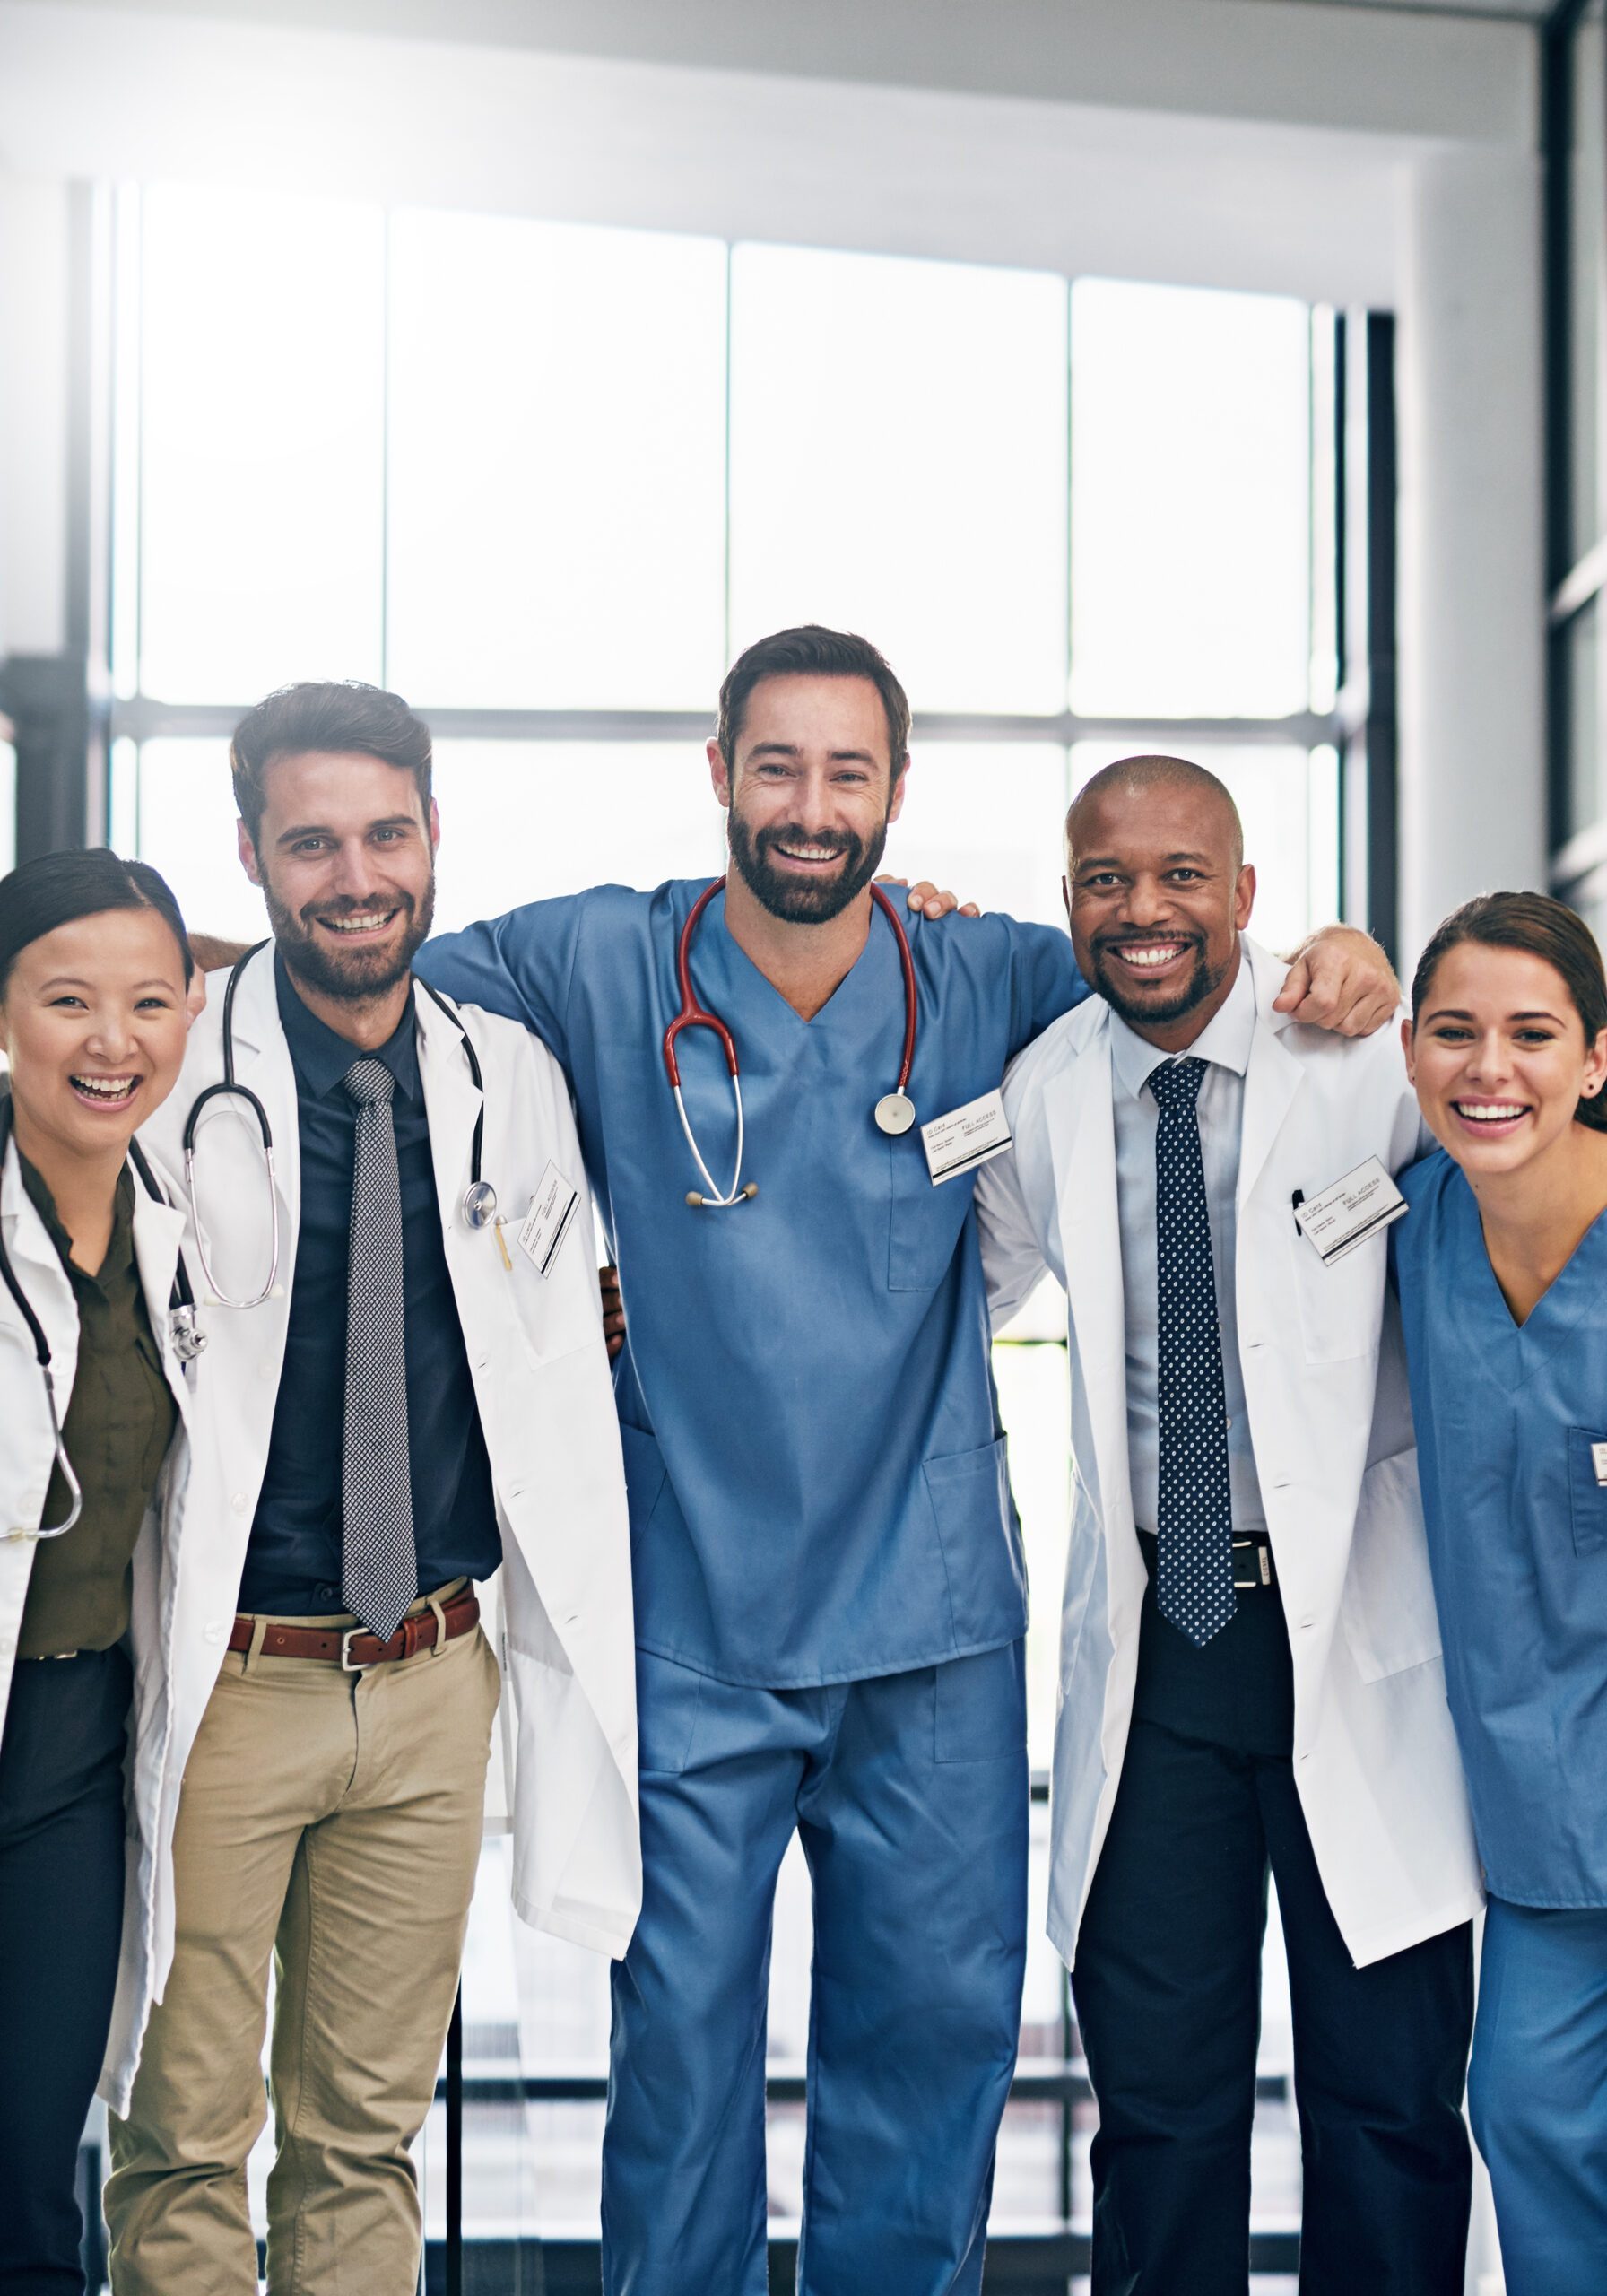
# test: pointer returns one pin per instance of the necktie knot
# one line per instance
(1176, 1084)
(368, 1081)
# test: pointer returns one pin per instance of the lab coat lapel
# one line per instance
(1077, 1110)
(158, 1236)
(39, 1270)
(1272, 1079)
(230, 1177)
(451, 1100)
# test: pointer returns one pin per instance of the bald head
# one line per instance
(1135, 779)
(1158, 892)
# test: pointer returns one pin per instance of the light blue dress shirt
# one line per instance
(1509, 1418)
(1224, 1045)
(816, 1473)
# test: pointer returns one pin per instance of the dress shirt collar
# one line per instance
(321, 1058)
(1226, 1039)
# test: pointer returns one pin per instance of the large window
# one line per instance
(545, 480)
(1575, 55)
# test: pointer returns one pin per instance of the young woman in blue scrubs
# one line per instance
(1502, 1269)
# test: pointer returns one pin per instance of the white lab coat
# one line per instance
(1375, 1758)
(28, 1454)
(541, 1376)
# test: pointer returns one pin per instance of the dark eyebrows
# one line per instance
(72, 980)
(1453, 1013)
(792, 749)
(322, 829)
(1121, 861)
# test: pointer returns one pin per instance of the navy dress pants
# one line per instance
(910, 1795)
(61, 1921)
(1167, 1992)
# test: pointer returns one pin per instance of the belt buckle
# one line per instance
(349, 1665)
(1261, 1573)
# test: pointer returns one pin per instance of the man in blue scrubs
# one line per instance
(830, 1595)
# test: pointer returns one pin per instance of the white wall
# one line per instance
(1347, 155)
(1472, 601)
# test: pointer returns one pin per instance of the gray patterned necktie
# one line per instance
(379, 1568)
(1194, 1518)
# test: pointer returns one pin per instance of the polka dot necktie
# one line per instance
(379, 1569)
(1195, 1513)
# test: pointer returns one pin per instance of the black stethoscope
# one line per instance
(188, 1339)
(894, 1112)
(479, 1207)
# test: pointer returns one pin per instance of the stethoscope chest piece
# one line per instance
(895, 1113)
(479, 1205)
(188, 1338)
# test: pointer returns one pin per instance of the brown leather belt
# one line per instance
(354, 1647)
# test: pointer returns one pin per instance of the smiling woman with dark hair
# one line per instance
(1502, 1269)
(93, 968)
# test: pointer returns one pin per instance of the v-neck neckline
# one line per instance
(835, 1006)
(1559, 1307)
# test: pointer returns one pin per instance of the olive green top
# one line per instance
(119, 1425)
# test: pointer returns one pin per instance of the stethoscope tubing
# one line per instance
(229, 1088)
(181, 1307)
(694, 1014)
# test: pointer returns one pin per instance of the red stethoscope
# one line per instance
(894, 1112)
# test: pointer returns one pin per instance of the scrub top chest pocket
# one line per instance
(926, 1222)
(1587, 1488)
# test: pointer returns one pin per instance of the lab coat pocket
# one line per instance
(1340, 1306)
(979, 1706)
(981, 1543)
(1587, 1495)
(1387, 1609)
(667, 1698)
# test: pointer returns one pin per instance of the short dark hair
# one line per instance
(812, 651)
(57, 889)
(1542, 928)
(339, 715)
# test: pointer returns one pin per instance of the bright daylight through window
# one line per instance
(545, 480)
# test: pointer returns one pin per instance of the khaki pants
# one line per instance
(332, 1821)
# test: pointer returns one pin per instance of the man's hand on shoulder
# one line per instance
(212, 955)
(1341, 980)
(926, 900)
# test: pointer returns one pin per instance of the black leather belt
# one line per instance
(1252, 1558)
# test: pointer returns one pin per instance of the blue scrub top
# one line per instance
(1507, 1415)
(817, 1478)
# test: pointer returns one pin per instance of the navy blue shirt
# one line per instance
(294, 1561)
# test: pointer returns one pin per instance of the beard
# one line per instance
(1113, 985)
(356, 975)
(807, 902)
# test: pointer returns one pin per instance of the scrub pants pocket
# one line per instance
(667, 1698)
(979, 1706)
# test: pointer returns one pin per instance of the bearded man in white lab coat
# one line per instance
(408, 1384)
(1250, 1671)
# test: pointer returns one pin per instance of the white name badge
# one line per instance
(966, 1137)
(1598, 1460)
(549, 1219)
(1347, 1213)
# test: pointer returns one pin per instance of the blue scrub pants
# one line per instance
(1537, 2093)
(910, 1794)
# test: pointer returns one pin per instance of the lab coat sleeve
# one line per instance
(1045, 981)
(1012, 1260)
(521, 965)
